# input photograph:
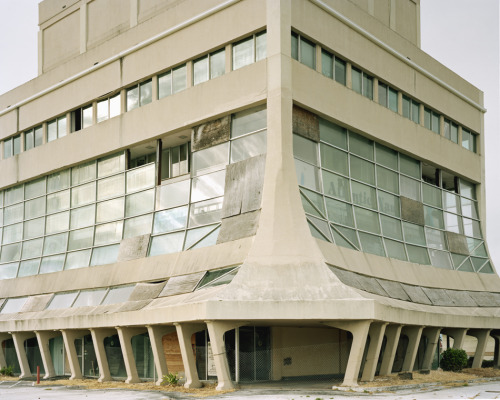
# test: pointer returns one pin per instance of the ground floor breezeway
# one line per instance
(236, 352)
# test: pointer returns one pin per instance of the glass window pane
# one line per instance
(58, 181)
(260, 46)
(336, 186)
(364, 195)
(393, 100)
(83, 216)
(104, 255)
(110, 210)
(467, 189)
(61, 126)
(472, 228)
(11, 252)
(305, 149)
(138, 226)
(367, 220)
(469, 208)
(179, 78)
(13, 305)
(29, 140)
(205, 212)
(28, 268)
(391, 227)
(110, 165)
(111, 187)
(387, 180)
(34, 188)
(326, 64)
(34, 228)
(108, 233)
(118, 294)
(200, 70)
(406, 107)
(38, 136)
(83, 194)
(435, 123)
(295, 46)
(132, 98)
(243, 53)
(83, 173)
(315, 199)
(165, 85)
(81, 238)
(248, 146)
(114, 105)
(248, 121)
(454, 133)
(87, 116)
(339, 212)
(55, 243)
(433, 217)
(395, 249)
(410, 188)
(173, 194)
(62, 300)
(12, 233)
(360, 146)
(368, 86)
(141, 178)
(208, 186)
(350, 234)
(52, 264)
(140, 203)
(217, 63)
(14, 195)
(166, 244)
(170, 220)
(51, 131)
(409, 166)
(371, 244)
(418, 255)
(32, 248)
(453, 223)
(209, 240)
(13, 213)
(427, 118)
(415, 112)
(88, 298)
(307, 53)
(334, 159)
(332, 134)
(77, 259)
(307, 175)
(414, 233)
(356, 80)
(340, 71)
(432, 195)
(211, 159)
(362, 170)
(146, 92)
(196, 235)
(102, 110)
(451, 202)
(436, 239)
(57, 222)
(382, 94)
(58, 201)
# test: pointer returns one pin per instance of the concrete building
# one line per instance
(240, 190)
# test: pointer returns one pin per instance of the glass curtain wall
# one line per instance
(352, 189)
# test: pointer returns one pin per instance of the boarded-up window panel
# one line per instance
(243, 186)
(181, 284)
(211, 133)
(305, 124)
(412, 211)
(457, 243)
(239, 226)
(172, 352)
(146, 291)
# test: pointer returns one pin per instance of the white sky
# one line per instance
(461, 34)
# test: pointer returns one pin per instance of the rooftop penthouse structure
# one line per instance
(240, 190)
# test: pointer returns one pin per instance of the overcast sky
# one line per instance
(461, 34)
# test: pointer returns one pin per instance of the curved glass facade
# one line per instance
(362, 195)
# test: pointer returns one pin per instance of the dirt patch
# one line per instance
(205, 391)
(443, 377)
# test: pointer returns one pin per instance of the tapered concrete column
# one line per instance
(216, 332)
(458, 335)
(482, 339)
(432, 335)
(19, 338)
(69, 338)
(43, 338)
(98, 336)
(414, 333)
(376, 333)
(184, 333)
(3, 337)
(156, 332)
(125, 334)
(392, 333)
(496, 352)
(359, 330)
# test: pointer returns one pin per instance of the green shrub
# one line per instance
(7, 371)
(170, 380)
(453, 360)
